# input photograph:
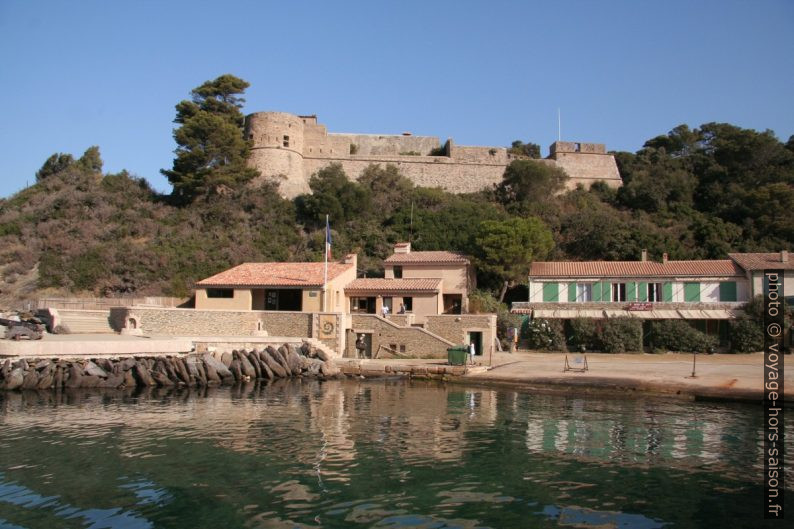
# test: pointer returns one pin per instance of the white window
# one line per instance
(655, 292)
(584, 292)
(618, 291)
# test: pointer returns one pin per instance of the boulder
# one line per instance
(254, 362)
(219, 367)
(294, 360)
(226, 359)
(305, 349)
(213, 378)
(266, 371)
(14, 379)
(90, 381)
(92, 369)
(112, 381)
(143, 375)
(245, 365)
(322, 355)
(129, 378)
(75, 379)
(329, 369)
(273, 364)
(235, 369)
(181, 371)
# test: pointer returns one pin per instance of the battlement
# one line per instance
(289, 149)
(575, 147)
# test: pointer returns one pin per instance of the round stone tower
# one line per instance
(278, 150)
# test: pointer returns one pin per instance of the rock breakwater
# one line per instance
(192, 370)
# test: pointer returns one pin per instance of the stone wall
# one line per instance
(412, 342)
(288, 149)
(191, 322)
(455, 328)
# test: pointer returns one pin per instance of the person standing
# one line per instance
(472, 350)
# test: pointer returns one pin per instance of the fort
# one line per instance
(289, 149)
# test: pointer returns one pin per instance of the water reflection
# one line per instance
(384, 453)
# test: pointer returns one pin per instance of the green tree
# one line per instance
(56, 163)
(519, 148)
(91, 161)
(529, 181)
(211, 151)
(333, 195)
(507, 248)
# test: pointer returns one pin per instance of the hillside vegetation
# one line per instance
(691, 193)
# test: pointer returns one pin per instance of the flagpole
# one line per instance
(325, 276)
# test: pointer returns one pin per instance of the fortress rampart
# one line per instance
(289, 149)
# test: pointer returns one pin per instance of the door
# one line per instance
(475, 337)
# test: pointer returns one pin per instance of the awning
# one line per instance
(568, 314)
(712, 314)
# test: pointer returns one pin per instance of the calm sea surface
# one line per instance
(370, 453)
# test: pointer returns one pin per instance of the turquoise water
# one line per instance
(375, 453)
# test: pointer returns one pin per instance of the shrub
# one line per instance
(620, 335)
(679, 336)
(544, 334)
(582, 332)
(747, 335)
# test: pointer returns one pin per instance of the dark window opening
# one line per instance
(286, 299)
(362, 305)
(409, 304)
(618, 291)
(398, 272)
(655, 292)
(286, 141)
(220, 293)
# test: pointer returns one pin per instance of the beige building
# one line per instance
(754, 265)
(297, 287)
(453, 269)
(289, 149)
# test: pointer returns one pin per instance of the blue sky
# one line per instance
(76, 74)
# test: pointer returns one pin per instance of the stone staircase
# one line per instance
(314, 342)
(85, 321)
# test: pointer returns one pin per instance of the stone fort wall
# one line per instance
(289, 149)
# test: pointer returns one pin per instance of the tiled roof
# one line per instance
(596, 269)
(394, 285)
(761, 261)
(275, 275)
(427, 257)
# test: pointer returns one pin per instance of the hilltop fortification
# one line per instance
(290, 148)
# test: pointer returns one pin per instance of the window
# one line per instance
(286, 141)
(551, 292)
(402, 348)
(655, 292)
(398, 272)
(618, 291)
(584, 292)
(409, 304)
(220, 293)
(387, 302)
(728, 291)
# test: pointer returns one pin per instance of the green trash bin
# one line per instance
(457, 356)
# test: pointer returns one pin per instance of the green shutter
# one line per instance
(551, 291)
(631, 291)
(692, 292)
(728, 291)
(667, 292)
(642, 291)
(606, 291)
(596, 291)
(571, 292)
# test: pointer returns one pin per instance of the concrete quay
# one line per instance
(718, 376)
(75, 346)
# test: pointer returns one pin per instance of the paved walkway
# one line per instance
(719, 376)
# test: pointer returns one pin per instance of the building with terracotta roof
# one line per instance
(708, 293)
(754, 265)
(299, 287)
(453, 269)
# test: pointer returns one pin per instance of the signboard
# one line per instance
(327, 326)
(640, 306)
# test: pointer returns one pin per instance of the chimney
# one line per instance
(402, 247)
(351, 258)
(644, 254)
(664, 258)
(784, 256)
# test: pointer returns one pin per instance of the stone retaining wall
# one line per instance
(191, 322)
(411, 342)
